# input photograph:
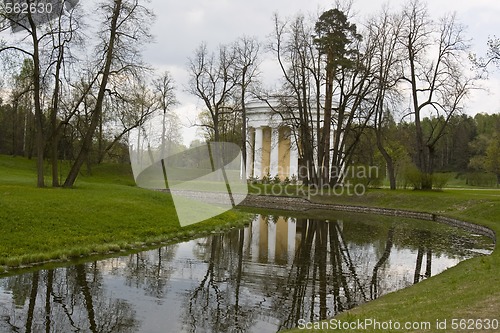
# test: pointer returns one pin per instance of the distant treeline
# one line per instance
(469, 147)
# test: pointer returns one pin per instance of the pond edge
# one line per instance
(303, 204)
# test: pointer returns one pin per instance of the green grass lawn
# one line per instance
(103, 213)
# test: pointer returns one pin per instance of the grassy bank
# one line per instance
(471, 290)
(104, 213)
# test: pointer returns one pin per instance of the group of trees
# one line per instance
(468, 149)
(366, 76)
(344, 83)
(397, 81)
(67, 103)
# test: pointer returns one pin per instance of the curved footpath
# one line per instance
(302, 204)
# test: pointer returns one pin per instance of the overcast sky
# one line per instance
(181, 26)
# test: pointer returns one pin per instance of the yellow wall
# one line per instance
(263, 236)
(281, 239)
(266, 151)
(284, 153)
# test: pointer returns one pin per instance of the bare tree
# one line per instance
(434, 70)
(124, 31)
(165, 99)
(65, 32)
(214, 79)
(31, 49)
(384, 31)
(327, 75)
(299, 101)
(247, 63)
(355, 86)
(492, 56)
(129, 106)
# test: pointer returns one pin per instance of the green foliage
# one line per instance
(492, 162)
(266, 179)
(413, 177)
(334, 34)
(487, 149)
(276, 180)
(440, 180)
(483, 179)
(410, 176)
(366, 175)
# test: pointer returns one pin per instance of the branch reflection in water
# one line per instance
(262, 278)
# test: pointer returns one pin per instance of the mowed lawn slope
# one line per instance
(104, 212)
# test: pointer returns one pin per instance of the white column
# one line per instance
(292, 234)
(246, 240)
(294, 158)
(271, 241)
(249, 154)
(255, 239)
(273, 167)
(257, 166)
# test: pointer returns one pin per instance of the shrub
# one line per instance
(276, 180)
(412, 176)
(266, 179)
(439, 180)
(484, 179)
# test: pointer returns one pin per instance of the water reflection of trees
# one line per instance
(65, 300)
(215, 305)
(150, 271)
(272, 273)
(329, 274)
(322, 280)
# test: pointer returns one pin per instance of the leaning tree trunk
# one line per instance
(96, 115)
(40, 139)
(388, 160)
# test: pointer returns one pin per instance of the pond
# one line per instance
(262, 278)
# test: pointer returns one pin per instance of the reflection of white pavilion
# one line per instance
(275, 240)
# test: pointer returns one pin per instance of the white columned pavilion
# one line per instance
(271, 146)
(272, 142)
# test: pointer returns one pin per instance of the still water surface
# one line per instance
(262, 278)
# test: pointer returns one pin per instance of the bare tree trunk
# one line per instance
(87, 295)
(40, 138)
(244, 126)
(388, 161)
(32, 303)
(96, 115)
(53, 116)
(48, 296)
(324, 164)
